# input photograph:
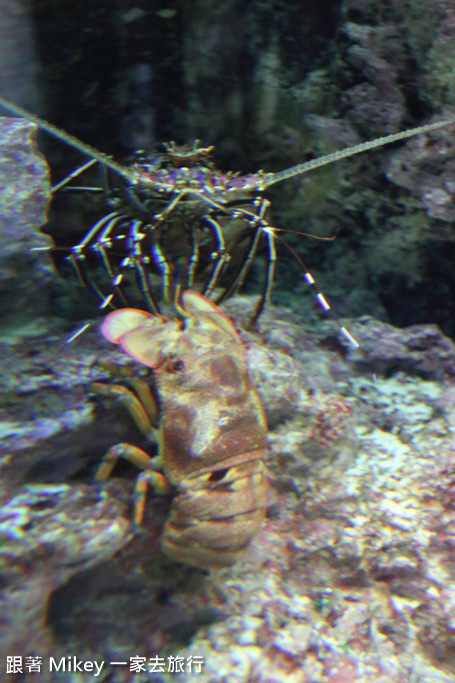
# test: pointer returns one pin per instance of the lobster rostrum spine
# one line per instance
(212, 431)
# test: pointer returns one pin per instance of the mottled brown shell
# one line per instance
(212, 432)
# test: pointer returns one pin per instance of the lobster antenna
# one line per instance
(272, 178)
(69, 139)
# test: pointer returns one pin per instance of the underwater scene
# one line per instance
(227, 321)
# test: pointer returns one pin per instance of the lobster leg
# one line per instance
(164, 268)
(149, 477)
(138, 260)
(82, 279)
(193, 260)
(269, 277)
(98, 240)
(100, 247)
(144, 411)
(219, 255)
(143, 419)
(260, 226)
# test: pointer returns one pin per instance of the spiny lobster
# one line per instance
(212, 429)
(178, 223)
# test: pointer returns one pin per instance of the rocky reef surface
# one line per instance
(351, 576)
(25, 271)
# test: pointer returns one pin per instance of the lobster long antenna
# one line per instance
(272, 178)
(69, 139)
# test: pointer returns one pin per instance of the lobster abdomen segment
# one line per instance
(211, 526)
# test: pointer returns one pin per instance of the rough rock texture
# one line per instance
(25, 275)
(426, 167)
(44, 401)
(417, 350)
(349, 578)
(47, 534)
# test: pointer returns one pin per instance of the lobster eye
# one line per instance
(173, 365)
(178, 366)
(218, 475)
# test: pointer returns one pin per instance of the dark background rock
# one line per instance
(25, 274)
